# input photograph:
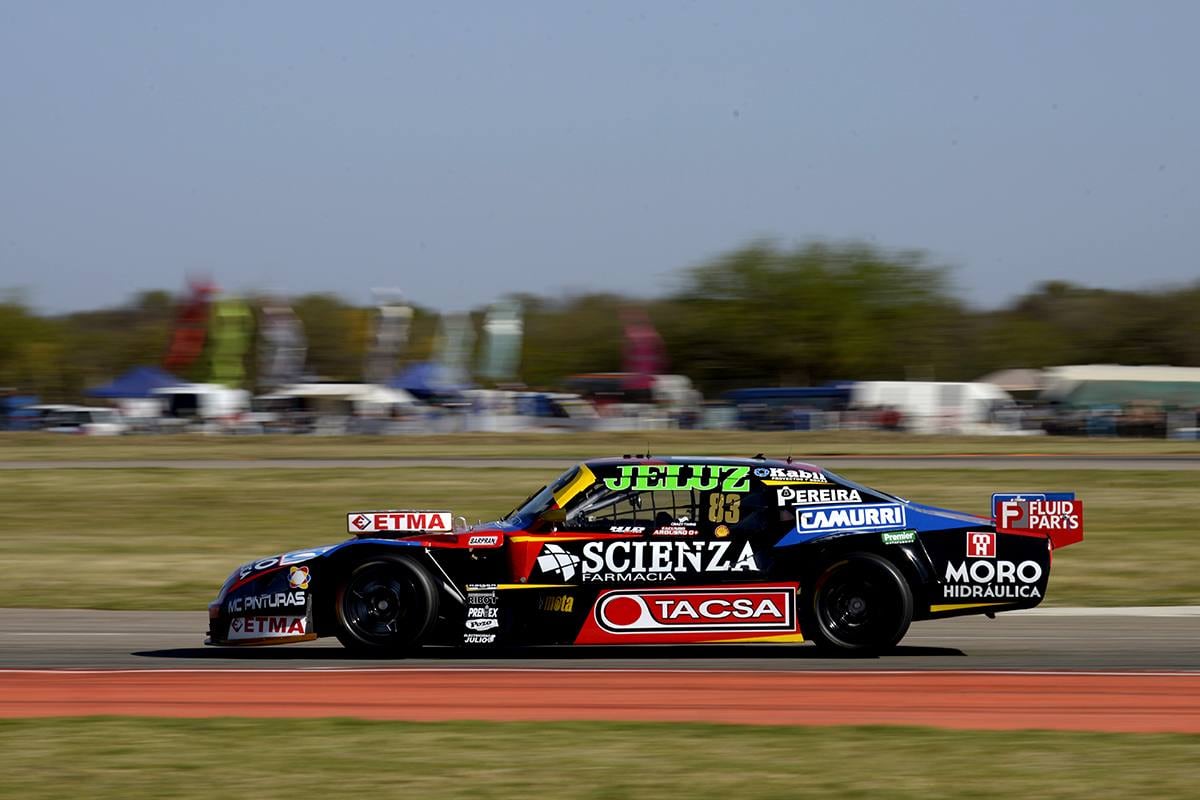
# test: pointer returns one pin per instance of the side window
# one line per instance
(744, 513)
(649, 510)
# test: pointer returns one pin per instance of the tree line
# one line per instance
(762, 315)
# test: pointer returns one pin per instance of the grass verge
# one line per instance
(132, 757)
(166, 539)
(59, 447)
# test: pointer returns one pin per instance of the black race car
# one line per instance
(640, 550)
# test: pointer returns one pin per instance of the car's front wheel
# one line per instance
(385, 607)
(858, 605)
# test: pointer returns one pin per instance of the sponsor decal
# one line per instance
(899, 537)
(399, 522)
(482, 612)
(479, 638)
(261, 602)
(555, 559)
(481, 598)
(266, 627)
(627, 529)
(992, 579)
(483, 541)
(790, 496)
(298, 577)
(693, 610)
(724, 507)
(828, 519)
(676, 530)
(676, 477)
(1039, 516)
(721, 531)
(296, 557)
(629, 561)
(981, 544)
(777, 476)
(483, 624)
(559, 602)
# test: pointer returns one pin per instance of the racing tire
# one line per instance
(384, 607)
(859, 605)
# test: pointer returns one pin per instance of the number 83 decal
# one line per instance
(724, 507)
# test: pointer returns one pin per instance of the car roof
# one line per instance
(702, 460)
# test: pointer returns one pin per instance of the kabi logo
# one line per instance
(777, 476)
(555, 559)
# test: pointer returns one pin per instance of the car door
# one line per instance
(665, 534)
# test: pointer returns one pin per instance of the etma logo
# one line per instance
(555, 559)
(981, 544)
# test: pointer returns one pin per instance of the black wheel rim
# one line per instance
(379, 603)
(857, 606)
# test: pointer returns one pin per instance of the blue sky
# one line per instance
(460, 151)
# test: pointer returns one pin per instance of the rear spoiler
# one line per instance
(1057, 515)
(368, 523)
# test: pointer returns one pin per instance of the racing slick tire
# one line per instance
(859, 605)
(385, 606)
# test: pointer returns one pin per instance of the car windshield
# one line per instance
(537, 503)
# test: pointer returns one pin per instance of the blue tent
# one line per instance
(137, 382)
(427, 379)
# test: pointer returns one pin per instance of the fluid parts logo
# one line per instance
(555, 559)
(298, 577)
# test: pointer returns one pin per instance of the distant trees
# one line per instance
(1061, 323)
(760, 315)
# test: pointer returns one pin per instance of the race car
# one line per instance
(640, 550)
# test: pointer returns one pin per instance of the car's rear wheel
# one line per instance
(858, 605)
(385, 607)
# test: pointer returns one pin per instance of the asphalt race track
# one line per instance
(1119, 670)
(1096, 640)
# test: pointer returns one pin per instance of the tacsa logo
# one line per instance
(555, 559)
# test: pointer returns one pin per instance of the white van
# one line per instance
(88, 420)
(937, 406)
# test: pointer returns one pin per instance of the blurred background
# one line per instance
(818, 337)
(263, 263)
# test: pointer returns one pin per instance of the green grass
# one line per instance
(58, 447)
(166, 539)
(101, 758)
